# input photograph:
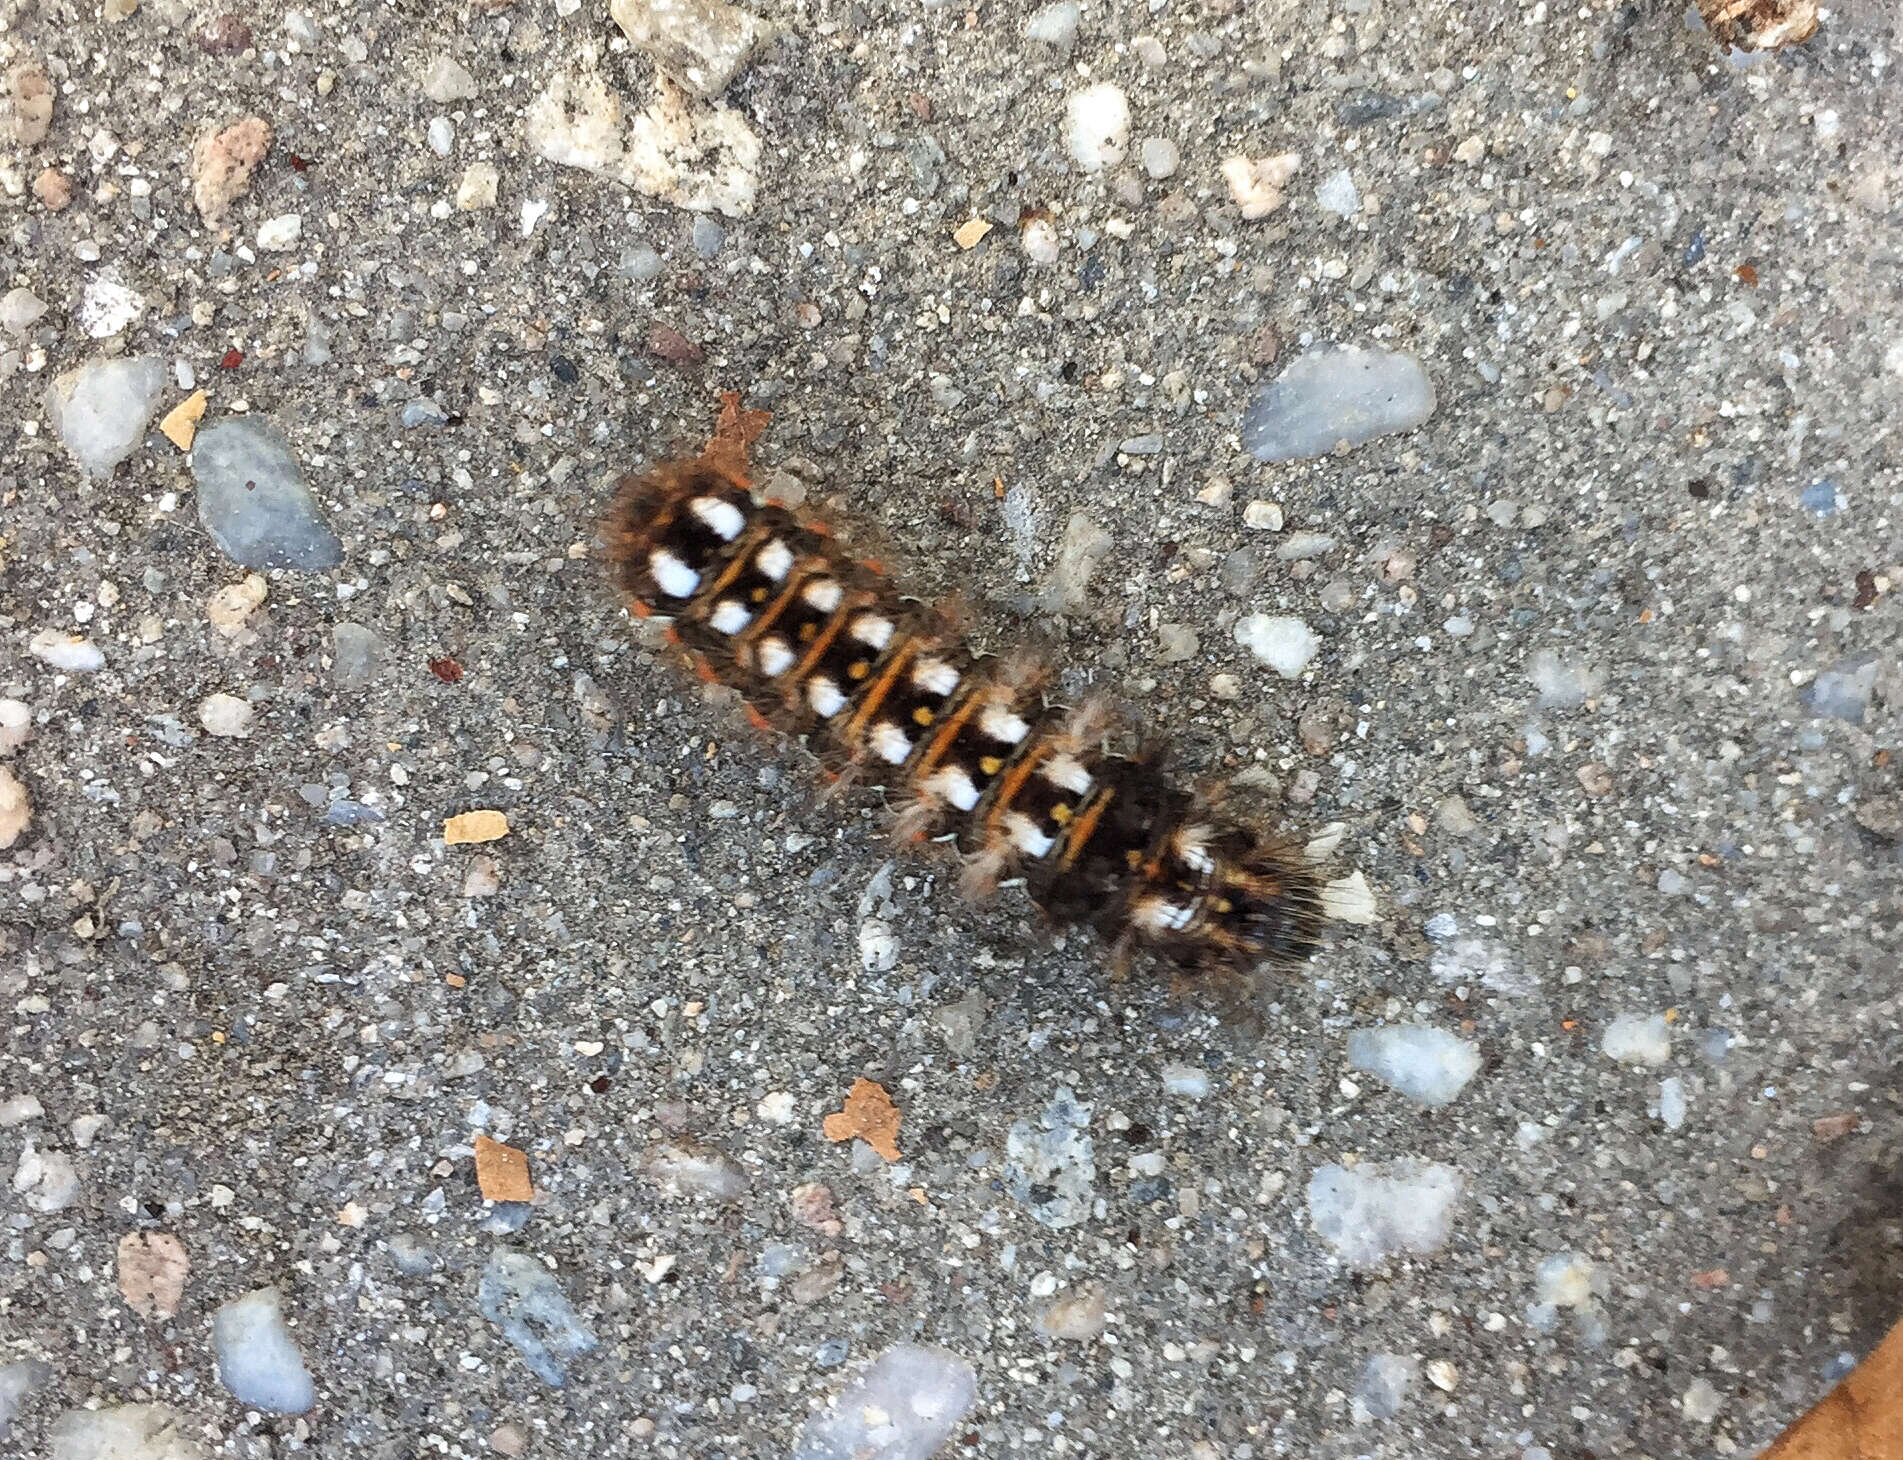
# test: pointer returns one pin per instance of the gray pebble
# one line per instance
(522, 1297)
(639, 263)
(1161, 157)
(1331, 395)
(253, 501)
(100, 410)
(355, 651)
(708, 236)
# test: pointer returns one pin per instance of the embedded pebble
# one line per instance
(448, 80)
(1337, 194)
(46, 1181)
(522, 1297)
(109, 306)
(1638, 1039)
(1263, 516)
(1256, 185)
(16, 810)
(1285, 644)
(253, 501)
(354, 656)
(1333, 395)
(222, 165)
(1564, 681)
(20, 310)
(17, 1382)
(1383, 1385)
(19, 1109)
(232, 605)
(1185, 1080)
(101, 410)
(1175, 643)
(477, 190)
(708, 236)
(1084, 545)
(702, 44)
(1161, 157)
(1302, 546)
(1050, 1166)
(1079, 1314)
(1039, 239)
(640, 263)
(282, 233)
(878, 946)
(258, 1360)
(903, 1406)
(226, 716)
(441, 136)
(123, 1432)
(68, 652)
(26, 106)
(1703, 1402)
(689, 1168)
(1097, 126)
(1672, 1102)
(1843, 691)
(153, 1267)
(1564, 1280)
(1055, 24)
(1372, 1211)
(1429, 1066)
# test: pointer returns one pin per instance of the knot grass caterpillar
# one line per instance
(824, 647)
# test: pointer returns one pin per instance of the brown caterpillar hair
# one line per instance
(823, 646)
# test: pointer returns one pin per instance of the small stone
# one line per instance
(1256, 184)
(282, 233)
(509, 1439)
(1050, 1166)
(19, 1109)
(1097, 126)
(233, 604)
(1084, 545)
(1843, 691)
(1185, 1080)
(1286, 645)
(702, 44)
(1377, 1209)
(1329, 396)
(447, 80)
(1039, 239)
(222, 165)
(153, 1267)
(1239, 572)
(1175, 643)
(180, 425)
(521, 1296)
(1055, 24)
(971, 232)
(122, 1432)
(483, 879)
(1703, 1403)
(640, 263)
(474, 827)
(440, 136)
(477, 190)
(1564, 681)
(1160, 156)
(46, 1181)
(1429, 1066)
(20, 310)
(1301, 546)
(26, 107)
(669, 344)
(1470, 151)
(878, 946)
(1638, 1039)
(16, 809)
(18, 1381)
(1079, 1315)
(100, 410)
(1443, 1375)
(708, 236)
(692, 1168)
(1263, 516)
(1672, 1102)
(67, 652)
(226, 716)
(355, 652)
(903, 1406)
(1383, 1385)
(1216, 492)
(1337, 194)
(253, 501)
(223, 35)
(54, 189)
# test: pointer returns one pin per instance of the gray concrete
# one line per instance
(1565, 700)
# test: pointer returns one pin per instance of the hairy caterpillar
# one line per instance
(823, 646)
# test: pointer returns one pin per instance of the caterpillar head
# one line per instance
(1222, 896)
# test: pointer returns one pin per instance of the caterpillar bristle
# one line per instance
(822, 646)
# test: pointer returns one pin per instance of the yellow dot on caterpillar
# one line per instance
(1061, 813)
(858, 669)
(1133, 857)
(807, 630)
(922, 715)
(990, 765)
(758, 595)
(1224, 905)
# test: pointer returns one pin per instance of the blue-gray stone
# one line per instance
(1842, 692)
(521, 1296)
(1331, 395)
(253, 501)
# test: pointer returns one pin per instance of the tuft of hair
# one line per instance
(918, 818)
(984, 870)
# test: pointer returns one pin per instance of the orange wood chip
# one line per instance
(1861, 1419)
(502, 1172)
(181, 422)
(475, 826)
(869, 1114)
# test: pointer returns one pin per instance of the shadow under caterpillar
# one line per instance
(823, 646)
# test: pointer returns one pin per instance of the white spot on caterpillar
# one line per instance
(773, 658)
(1001, 725)
(1067, 773)
(671, 575)
(824, 696)
(1155, 916)
(1026, 837)
(723, 518)
(889, 743)
(955, 786)
(822, 594)
(729, 617)
(1192, 848)
(872, 630)
(935, 676)
(774, 560)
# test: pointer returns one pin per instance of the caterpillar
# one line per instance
(823, 646)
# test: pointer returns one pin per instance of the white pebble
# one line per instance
(19, 1109)
(1161, 157)
(1429, 1066)
(1263, 516)
(1564, 1280)
(46, 1181)
(1672, 1102)
(16, 810)
(1097, 126)
(1040, 241)
(1055, 24)
(1256, 183)
(878, 946)
(1285, 644)
(1637, 1039)
(1563, 680)
(1703, 1402)
(1337, 194)
(903, 1407)
(226, 716)
(1329, 396)
(477, 190)
(442, 136)
(1185, 1080)
(257, 1358)
(1376, 1209)
(66, 651)
(280, 234)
